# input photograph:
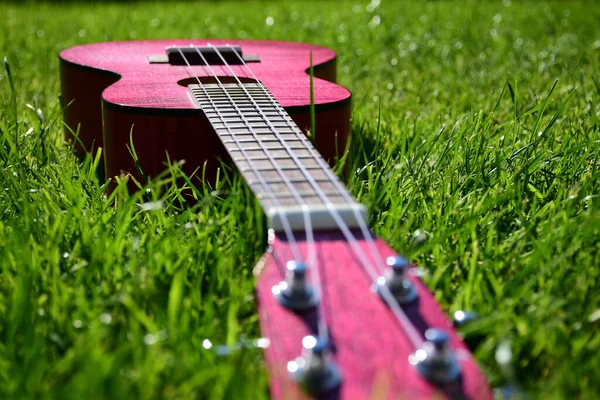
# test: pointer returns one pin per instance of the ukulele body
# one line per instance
(113, 97)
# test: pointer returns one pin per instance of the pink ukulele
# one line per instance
(346, 317)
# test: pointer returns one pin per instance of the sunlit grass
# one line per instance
(483, 168)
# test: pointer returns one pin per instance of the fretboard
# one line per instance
(275, 158)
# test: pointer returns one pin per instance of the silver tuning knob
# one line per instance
(436, 361)
(395, 280)
(462, 318)
(295, 292)
(315, 371)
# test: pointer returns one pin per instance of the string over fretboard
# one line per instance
(274, 157)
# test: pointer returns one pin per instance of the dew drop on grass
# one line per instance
(419, 237)
(150, 339)
(152, 205)
(594, 316)
(106, 318)
(373, 5)
(375, 21)
(504, 353)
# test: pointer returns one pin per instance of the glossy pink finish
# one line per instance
(111, 87)
(371, 347)
(281, 68)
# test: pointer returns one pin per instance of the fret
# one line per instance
(236, 119)
(276, 153)
(304, 187)
(268, 204)
(274, 157)
(221, 125)
(290, 201)
(231, 145)
(261, 165)
(252, 118)
(291, 174)
(282, 158)
(270, 175)
(310, 197)
(290, 143)
(284, 163)
(259, 134)
(230, 102)
(279, 180)
(253, 127)
(270, 112)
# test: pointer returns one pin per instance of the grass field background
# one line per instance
(483, 168)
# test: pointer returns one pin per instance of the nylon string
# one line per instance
(315, 275)
(412, 333)
(322, 331)
(286, 226)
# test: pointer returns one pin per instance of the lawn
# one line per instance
(475, 148)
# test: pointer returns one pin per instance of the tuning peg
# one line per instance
(395, 280)
(295, 292)
(462, 318)
(315, 371)
(436, 361)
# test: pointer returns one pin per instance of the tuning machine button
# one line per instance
(436, 361)
(295, 293)
(462, 318)
(395, 280)
(315, 371)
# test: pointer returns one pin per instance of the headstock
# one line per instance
(375, 352)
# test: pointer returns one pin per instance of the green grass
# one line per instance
(483, 168)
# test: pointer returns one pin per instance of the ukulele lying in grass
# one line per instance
(345, 315)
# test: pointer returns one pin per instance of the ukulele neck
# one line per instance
(281, 166)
